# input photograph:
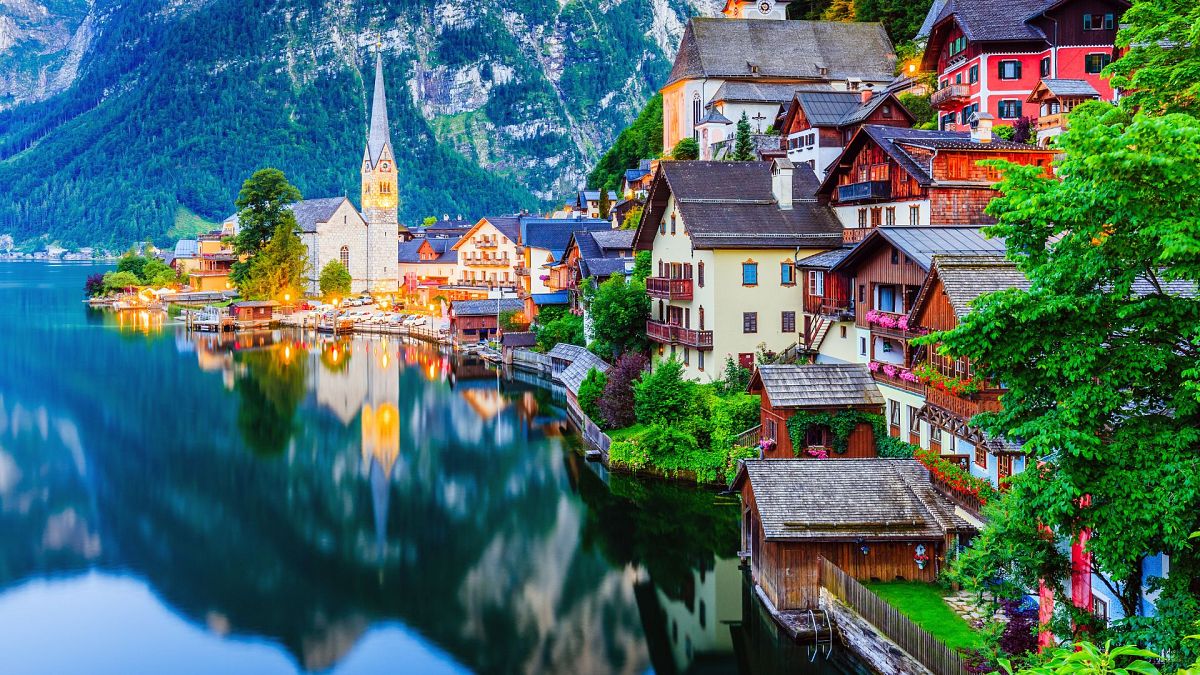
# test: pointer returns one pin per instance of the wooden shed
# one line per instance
(253, 313)
(874, 518)
(823, 389)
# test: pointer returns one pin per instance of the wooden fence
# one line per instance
(922, 646)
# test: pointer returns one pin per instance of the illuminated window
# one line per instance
(344, 256)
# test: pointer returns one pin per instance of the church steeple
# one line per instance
(378, 136)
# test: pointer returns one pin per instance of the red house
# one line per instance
(822, 389)
(990, 55)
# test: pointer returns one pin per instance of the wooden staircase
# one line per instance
(818, 327)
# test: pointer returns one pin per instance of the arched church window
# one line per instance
(344, 256)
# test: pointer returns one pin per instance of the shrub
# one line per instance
(562, 326)
(686, 149)
(590, 391)
(617, 404)
(1004, 132)
(335, 280)
(628, 454)
(663, 395)
(735, 378)
(94, 285)
(115, 282)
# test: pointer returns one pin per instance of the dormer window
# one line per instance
(753, 68)
(1098, 21)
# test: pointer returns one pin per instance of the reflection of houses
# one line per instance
(691, 626)
(874, 518)
(816, 389)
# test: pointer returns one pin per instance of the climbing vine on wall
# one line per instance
(841, 424)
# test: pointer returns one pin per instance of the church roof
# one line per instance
(311, 212)
(378, 136)
(801, 50)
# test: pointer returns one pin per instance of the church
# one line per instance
(365, 242)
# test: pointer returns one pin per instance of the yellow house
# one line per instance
(489, 257)
(206, 262)
(724, 238)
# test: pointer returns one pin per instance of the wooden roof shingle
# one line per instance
(818, 385)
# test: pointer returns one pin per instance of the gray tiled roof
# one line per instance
(1060, 87)
(310, 212)
(828, 108)
(408, 251)
(727, 48)
(485, 307)
(845, 499)
(619, 240)
(821, 385)
(566, 352)
(754, 92)
(575, 373)
(714, 116)
(1181, 288)
(931, 18)
(605, 267)
(731, 205)
(520, 339)
(988, 20)
(554, 234)
(825, 259)
(965, 277)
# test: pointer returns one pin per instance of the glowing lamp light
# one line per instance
(912, 68)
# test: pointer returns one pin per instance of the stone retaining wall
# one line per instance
(883, 655)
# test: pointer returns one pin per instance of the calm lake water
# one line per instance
(274, 503)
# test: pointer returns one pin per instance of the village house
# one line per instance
(587, 203)
(489, 257)
(988, 56)
(1055, 99)
(874, 518)
(425, 265)
(724, 238)
(635, 184)
(797, 54)
(543, 243)
(591, 255)
(815, 389)
(205, 261)
(817, 125)
(761, 103)
(863, 301)
(893, 176)
(473, 321)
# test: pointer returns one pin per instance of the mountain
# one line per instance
(125, 120)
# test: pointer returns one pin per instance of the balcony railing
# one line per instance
(968, 502)
(485, 244)
(963, 407)
(891, 324)
(896, 376)
(853, 235)
(870, 189)
(950, 96)
(669, 289)
(820, 306)
(487, 262)
(1054, 121)
(666, 333)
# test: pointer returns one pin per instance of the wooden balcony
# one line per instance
(896, 381)
(1055, 121)
(865, 190)
(666, 333)
(893, 331)
(853, 235)
(489, 262)
(961, 406)
(838, 308)
(950, 96)
(664, 288)
(969, 503)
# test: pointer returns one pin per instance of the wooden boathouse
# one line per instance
(823, 390)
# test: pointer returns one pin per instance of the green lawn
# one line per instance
(924, 604)
(626, 433)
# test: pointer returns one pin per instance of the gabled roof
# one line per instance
(731, 205)
(714, 116)
(990, 21)
(847, 499)
(485, 307)
(409, 251)
(921, 244)
(1059, 88)
(566, 351)
(311, 212)
(824, 385)
(841, 108)
(964, 277)
(798, 50)
(554, 234)
(605, 267)
(572, 377)
(509, 226)
(614, 240)
(931, 18)
(735, 91)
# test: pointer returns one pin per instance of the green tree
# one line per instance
(1160, 72)
(133, 263)
(590, 391)
(605, 204)
(640, 140)
(556, 325)
(278, 269)
(632, 217)
(642, 265)
(686, 149)
(262, 208)
(924, 116)
(1101, 359)
(115, 282)
(511, 320)
(901, 18)
(429, 221)
(157, 273)
(663, 395)
(619, 310)
(743, 144)
(840, 10)
(335, 280)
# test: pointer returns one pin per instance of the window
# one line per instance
(749, 274)
(947, 121)
(662, 226)
(1098, 21)
(887, 299)
(887, 110)
(344, 256)
(914, 423)
(968, 111)
(894, 416)
(701, 317)
(687, 356)
(981, 456)
(700, 359)
(862, 292)
(959, 44)
(1009, 109)
(696, 108)
(1100, 608)
(862, 217)
(889, 216)
(749, 322)
(862, 346)
(1094, 63)
(787, 274)
(1010, 70)
(816, 283)
(876, 216)
(973, 74)
(672, 223)
(1044, 68)
(843, 329)
(817, 436)
(895, 256)
(788, 319)
(914, 216)
(958, 77)
(700, 274)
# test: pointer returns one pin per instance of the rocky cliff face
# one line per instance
(512, 97)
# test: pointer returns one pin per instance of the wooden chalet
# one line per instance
(955, 281)
(817, 125)
(251, 314)
(892, 176)
(1055, 99)
(479, 320)
(874, 518)
(815, 388)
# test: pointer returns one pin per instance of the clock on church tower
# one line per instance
(756, 9)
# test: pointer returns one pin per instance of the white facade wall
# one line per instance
(849, 215)
(475, 247)
(345, 227)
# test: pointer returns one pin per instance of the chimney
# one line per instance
(981, 127)
(781, 182)
(867, 93)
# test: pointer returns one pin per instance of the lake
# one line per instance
(276, 503)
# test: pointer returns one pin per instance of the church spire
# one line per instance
(378, 136)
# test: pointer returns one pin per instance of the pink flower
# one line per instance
(908, 376)
(873, 366)
(902, 324)
(890, 370)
